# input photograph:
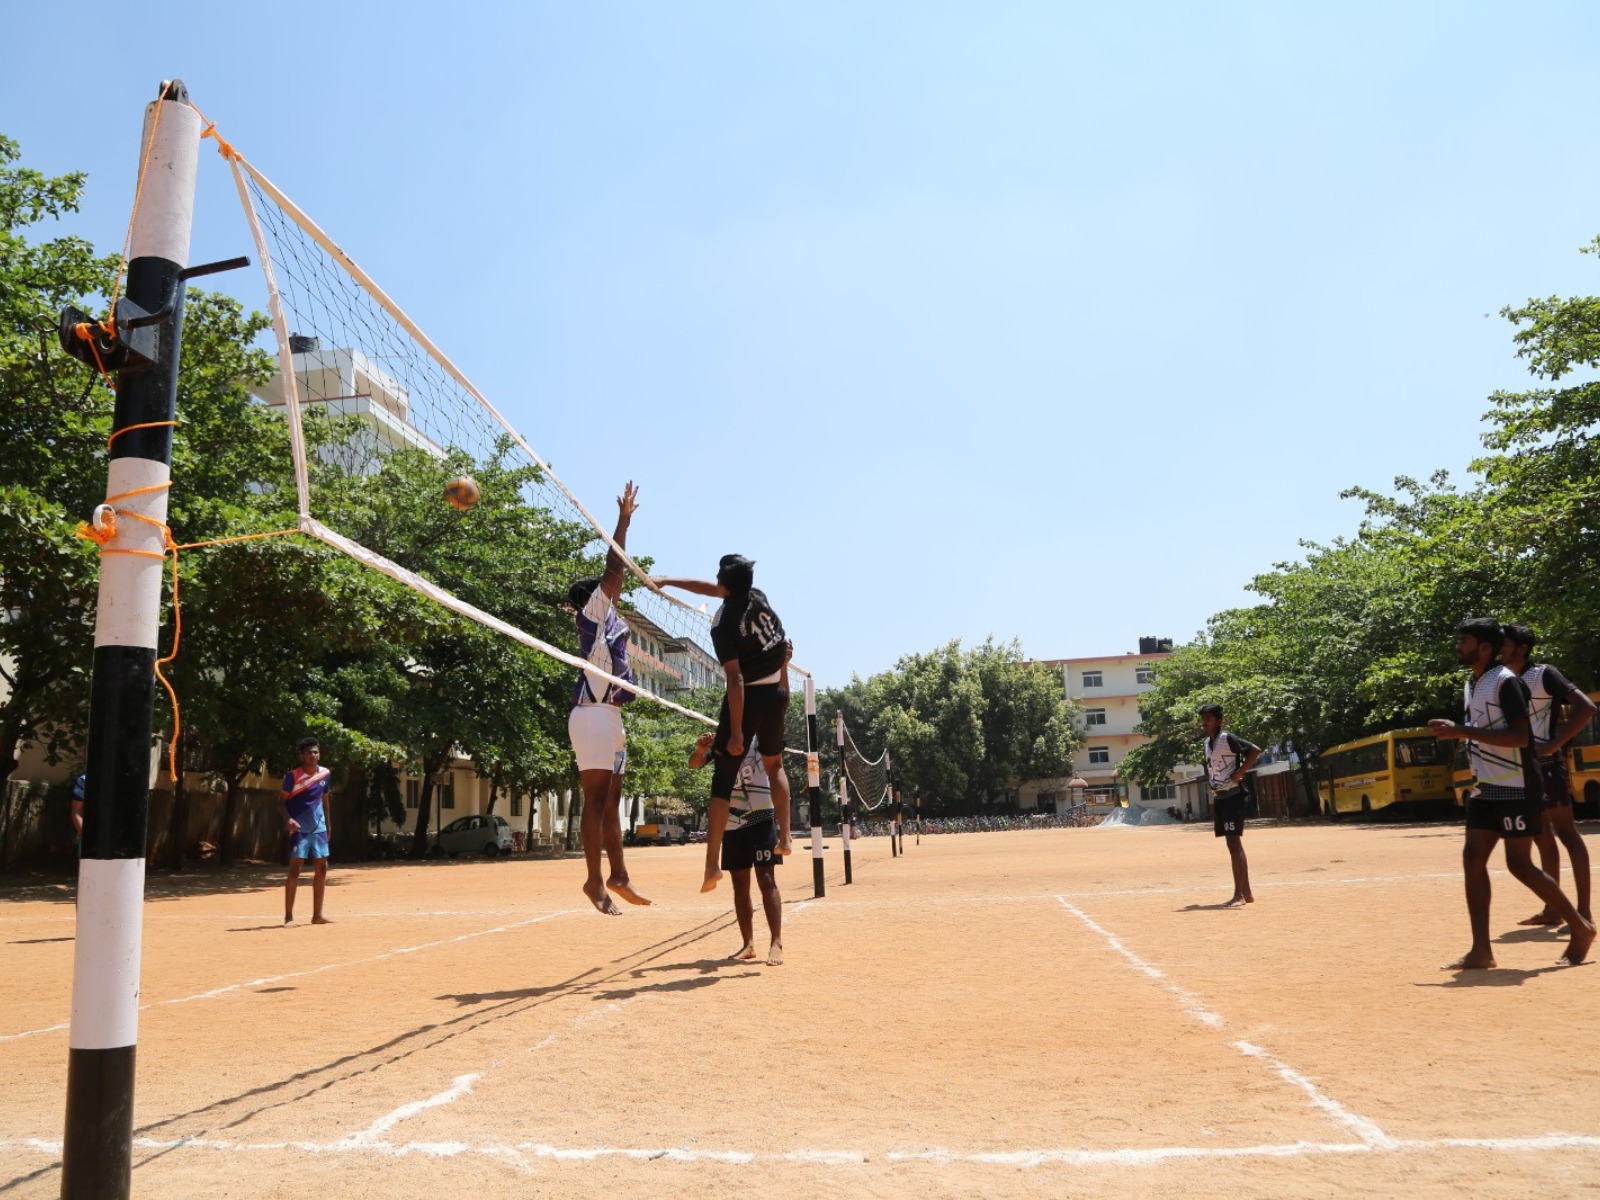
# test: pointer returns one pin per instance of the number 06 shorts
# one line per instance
(1510, 812)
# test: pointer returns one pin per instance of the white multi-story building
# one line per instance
(1107, 688)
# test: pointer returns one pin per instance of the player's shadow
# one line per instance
(260, 928)
(1533, 933)
(1496, 977)
(38, 941)
(1222, 907)
(670, 985)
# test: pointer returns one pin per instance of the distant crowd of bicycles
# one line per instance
(1076, 818)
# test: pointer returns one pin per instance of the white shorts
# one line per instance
(597, 738)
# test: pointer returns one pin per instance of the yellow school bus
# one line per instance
(1583, 764)
(1404, 767)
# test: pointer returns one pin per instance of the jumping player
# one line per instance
(1506, 803)
(1549, 692)
(750, 645)
(303, 803)
(1228, 759)
(750, 843)
(595, 725)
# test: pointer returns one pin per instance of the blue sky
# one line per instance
(1049, 321)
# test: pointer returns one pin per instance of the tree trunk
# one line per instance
(574, 813)
(494, 791)
(178, 821)
(230, 808)
(533, 807)
(419, 836)
(1313, 795)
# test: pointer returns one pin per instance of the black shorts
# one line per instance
(1557, 789)
(766, 705)
(751, 846)
(1228, 811)
(1511, 814)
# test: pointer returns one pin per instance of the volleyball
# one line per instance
(462, 492)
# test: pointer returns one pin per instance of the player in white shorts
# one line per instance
(595, 726)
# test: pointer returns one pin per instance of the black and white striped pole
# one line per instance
(896, 830)
(97, 1152)
(844, 797)
(814, 791)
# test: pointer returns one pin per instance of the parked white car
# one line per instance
(476, 835)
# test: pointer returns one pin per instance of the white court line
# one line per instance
(459, 1087)
(1367, 1130)
(1150, 1156)
(227, 989)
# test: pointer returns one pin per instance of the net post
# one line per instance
(97, 1147)
(896, 823)
(916, 801)
(844, 794)
(814, 792)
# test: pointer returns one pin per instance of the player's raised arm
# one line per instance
(627, 505)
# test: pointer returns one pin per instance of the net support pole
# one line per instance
(916, 801)
(844, 797)
(814, 792)
(97, 1150)
(897, 827)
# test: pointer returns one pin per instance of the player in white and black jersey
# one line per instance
(1558, 713)
(1507, 801)
(599, 742)
(749, 844)
(754, 652)
(1228, 759)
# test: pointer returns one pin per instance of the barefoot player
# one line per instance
(303, 803)
(750, 645)
(749, 843)
(1549, 694)
(1506, 803)
(595, 725)
(1228, 759)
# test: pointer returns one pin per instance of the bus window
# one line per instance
(1416, 752)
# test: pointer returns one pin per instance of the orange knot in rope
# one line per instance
(224, 147)
(100, 528)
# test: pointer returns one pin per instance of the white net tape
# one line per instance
(363, 386)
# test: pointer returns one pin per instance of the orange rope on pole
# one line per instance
(104, 530)
(127, 241)
(116, 433)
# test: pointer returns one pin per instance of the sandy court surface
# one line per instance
(1007, 1015)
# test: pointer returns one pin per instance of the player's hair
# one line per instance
(1211, 710)
(1485, 629)
(308, 743)
(736, 573)
(580, 591)
(1520, 634)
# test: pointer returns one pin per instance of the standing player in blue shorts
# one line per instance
(749, 842)
(303, 803)
(1507, 801)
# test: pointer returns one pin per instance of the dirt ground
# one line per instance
(1022, 1014)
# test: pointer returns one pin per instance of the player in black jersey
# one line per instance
(754, 652)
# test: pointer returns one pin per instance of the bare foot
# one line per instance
(625, 889)
(747, 953)
(289, 920)
(1472, 961)
(1578, 948)
(1239, 902)
(774, 955)
(601, 900)
(1542, 918)
(321, 921)
(712, 879)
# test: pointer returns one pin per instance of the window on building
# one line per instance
(1162, 791)
(1099, 755)
(1144, 674)
(413, 792)
(1094, 716)
(516, 806)
(447, 795)
(1093, 679)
